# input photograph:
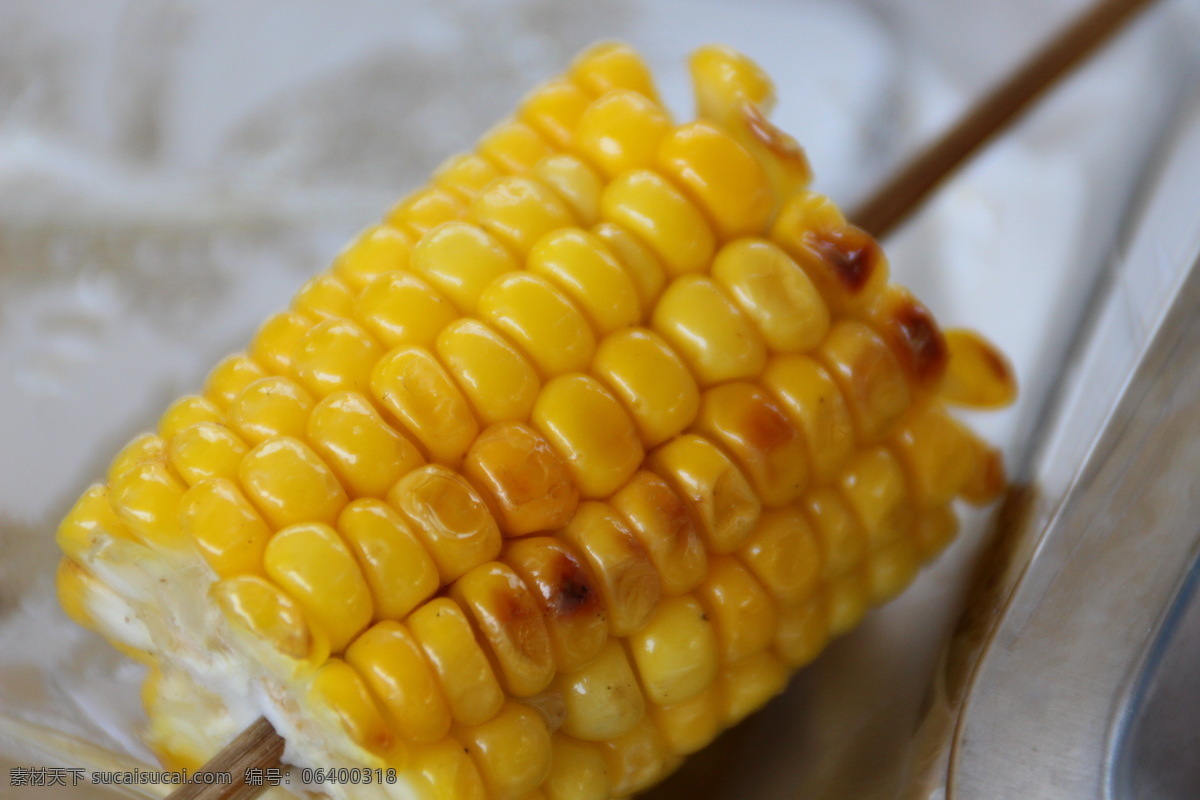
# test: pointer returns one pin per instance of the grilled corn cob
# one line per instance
(555, 474)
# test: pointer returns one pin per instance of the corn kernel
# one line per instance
(747, 685)
(228, 532)
(937, 453)
(339, 688)
(289, 484)
(376, 251)
(459, 260)
(741, 611)
(266, 614)
(512, 751)
(466, 678)
(146, 499)
(575, 183)
(526, 484)
(662, 217)
(541, 321)
(336, 356)
(324, 297)
(977, 374)
(611, 65)
(891, 568)
(449, 517)
(621, 131)
(935, 528)
(660, 522)
(90, 521)
(709, 331)
(803, 631)
(411, 384)
(497, 380)
(147, 448)
(393, 666)
(447, 772)
(519, 211)
(204, 451)
(465, 175)
(689, 726)
(641, 265)
(577, 771)
(814, 404)
(843, 541)
(425, 209)
(869, 376)
(400, 308)
(724, 79)
(785, 554)
(555, 109)
(603, 699)
(581, 267)
(513, 147)
(367, 454)
(636, 760)
(675, 652)
(229, 377)
(397, 568)
(651, 382)
(846, 599)
(874, 486)
(278, 340)
(185, 412)
(270, 407)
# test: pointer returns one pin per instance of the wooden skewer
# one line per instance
(260, 747)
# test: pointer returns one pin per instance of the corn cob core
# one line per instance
(555, 474)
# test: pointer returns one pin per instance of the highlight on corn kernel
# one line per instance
(559, 470)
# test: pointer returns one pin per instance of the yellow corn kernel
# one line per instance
(90, 521)
(289, 484)
(977, 374)
(336, 355)
(611, 65)
(447, 772)
(689, 726)
(662, 217)
(892, 568)
(937, 452)
(146, 499)
(720, 498)
(85, 599)
(400, 308)
(774, 293)
(988, 480)
(512, 751)
(185, 412)
(912, 333)
(411, 384)
(624, 575)
(869, 376)
(519, 211)
(270, 407)
(466, 678)
(721, 175)
(465, 175)
(146, 448)
(660, 522)
(577, 771)
(367, 454)
(526, 484)
(513, 147)
(751, 427)
(814, 404)
(637, 759)
(603, 699)
(229, 377)
(392, 664)
(340, 689)
(567, 595)
(642, 266)
(785, 554)
(396, 566)
(675, 652)
(724, 79)
(575, 183)
(497, 380)
(709, 331)
(459, 260)
(747, 685)
(580, 265)
(650, 380)
(311, 562)
(803, 631)
(376, 251)
(843, 541)
(590, 430)
(555, 110)
(846, 599)
(228, 532)
(206, 450)
(741, 611)
(541, 321)
(265, 613)
(874, 486)
(621, 131)
(324, 297)
(449, 517)
(278, 341)
(935, 528)
(425, 209)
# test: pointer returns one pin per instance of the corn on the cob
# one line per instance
(555, 474)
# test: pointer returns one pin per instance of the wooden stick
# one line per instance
(908, 188)
(258, 747)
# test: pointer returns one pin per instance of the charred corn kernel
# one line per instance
(411, 384)
(449, 517)
(509, 620)
(396, 566)
(519, 211)
(459, 260)
(366, 453)
(937, 453)
(400, 308)
(846, 599)
(513, 147)
(447, 772)
(774, 293)
(891, 568)
(875, 488)
(270, 407)
(146, 448)
(814, 404)
(555, 110)
(748, 684)
(621, 131)
(675, 652)
(689, 726)
(650, 380)
(624, 575)
(977, 374)
(324, 297)
(567, 595)
(526, 484)
(935, 528)
(609, 66)
(541, 320)
(910, 330)
(660, 522)
(391, 663)
(784, 554)
(146, 499)
(336, 355)
(465, 175)
(265, 613)
(312, 563)
(721, 175)
(90, 521)
(425, 209)
(641, 265)
(742, 418)
(463, 672)
(636, 760)
(376, 251)
(720, 498)
(185, 412)
(843, 541)
(278, 341)
(662, 217)
(339, 688)
(232, 375)
(709, 331)
(603, 699)
(869, 376)
(741, 611)
(497, 380)
(289, 484)
(206, 450)
(803, 631)
(590, 430)
(227, 530)
(575, 183)
(582, 268)
(577, 771)
(511, 750)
